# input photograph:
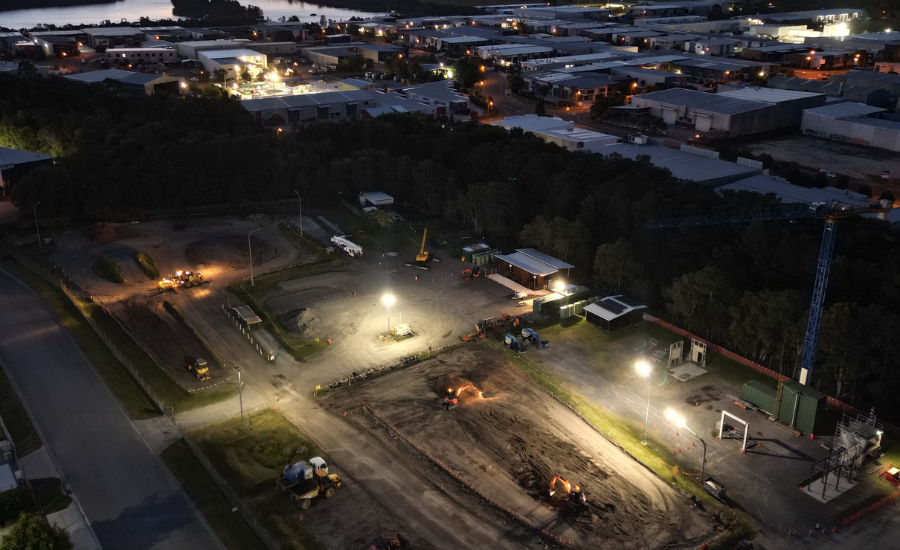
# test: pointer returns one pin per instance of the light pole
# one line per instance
(679, 420)
(36, 226)
(299, 200)
(250, 250)
(388, 300)
(241, 396)
(643, 369)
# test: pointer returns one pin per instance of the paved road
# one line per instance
(126, 492)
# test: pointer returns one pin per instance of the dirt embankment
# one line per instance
(229, 252)
(510, 442)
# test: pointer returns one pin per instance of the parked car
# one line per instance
(828, 173)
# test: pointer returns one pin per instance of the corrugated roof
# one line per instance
(17, 156)
(788, 192)
(613, 307)
(844, 110)
(713, 103)
(7, 478)
(545, 258)
(529, 264)
(767, 95)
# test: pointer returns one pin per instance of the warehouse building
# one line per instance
(614, 312)
(853, 123)
(141, 56)
(530, 268)
(111, 37)
(734, 113)
(233, 62)
(305, 109)
(558, 131)
(787, 192)
(15, 163)
(130, 83)
(330, 55)
(379, 53)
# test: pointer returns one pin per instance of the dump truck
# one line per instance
(322, 483)
(533, 337)
(514, 343)
(198, 368)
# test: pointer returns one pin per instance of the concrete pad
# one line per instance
(509, 283)
(158, 432)
(687, 371)
(815, 489)
(38, 465)
(73, 522)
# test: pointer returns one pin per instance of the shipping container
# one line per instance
(760, 394)
(811, 410)
(789, 402)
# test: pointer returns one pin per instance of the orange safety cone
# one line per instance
(811, 436)
(329, 340)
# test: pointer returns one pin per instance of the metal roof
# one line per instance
(844, 110)
(685, 166)
(767, 95)
(17, 156)
(7, 477)
(613, 307)
(378, 198)
(788, 192)
(713, 103)
(544, 258)
(530, 265)
(247, 315)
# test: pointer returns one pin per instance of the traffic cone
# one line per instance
(811, 436)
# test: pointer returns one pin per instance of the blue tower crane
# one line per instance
(831, 213)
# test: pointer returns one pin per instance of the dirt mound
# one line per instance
(103, 233)
(229, 252)
(305, 319)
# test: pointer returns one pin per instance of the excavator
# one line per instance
(574, 497)
(451, 398)
(423, 258)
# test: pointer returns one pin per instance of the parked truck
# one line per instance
(348, 246)
(531, 336)
(299, 471)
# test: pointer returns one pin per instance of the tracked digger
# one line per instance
(451, 399)
(423, 257)
(574, 497)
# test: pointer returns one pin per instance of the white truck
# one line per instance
(300, 471)
(348, 246)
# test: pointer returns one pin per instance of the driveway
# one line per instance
(126, 492)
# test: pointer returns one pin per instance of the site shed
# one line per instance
(614, 312)
(801, 407)
(759, 394)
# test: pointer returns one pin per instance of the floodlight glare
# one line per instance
(643, 368)
(388, 300)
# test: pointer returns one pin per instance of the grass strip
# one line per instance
(251, 459)
(230, 526)
(147, 265)
(108, 268)
(16, 419)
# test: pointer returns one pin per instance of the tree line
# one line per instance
(746, 287)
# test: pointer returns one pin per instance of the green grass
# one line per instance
(15, 417)
(251, 460)
(230, 526)
(147, 265)
(300, 348)
(107, 365)
(107, 268)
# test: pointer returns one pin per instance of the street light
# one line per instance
(299, 200)
(250, 250)
(36, 226)
(388, 300)
(679, 420)
(241, 396)
(643, 370)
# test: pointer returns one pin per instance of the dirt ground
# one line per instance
(167, 339)
(863, 164)
(510, 444)
(228, 252)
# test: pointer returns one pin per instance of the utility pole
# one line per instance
(36, 226)
(299, 200)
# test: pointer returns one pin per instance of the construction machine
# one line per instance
(470, 273)
(574, 497)
(533, 337)
(388, 542)
(198, 368)
(514, 343)
(451, 399)
(423, 257)
(165, 284)
(180, 278)
(321, 483)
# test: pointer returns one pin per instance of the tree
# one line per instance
(323, 22)
(31, 532)
(467, 71)
(602, 104)
(26, 69)
(539, 109)
(515, 82)
(694, 297)
(378, 219)
(614, 263)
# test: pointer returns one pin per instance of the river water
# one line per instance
(133, 10)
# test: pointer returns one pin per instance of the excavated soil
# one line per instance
(510, 442)
(229, 252)
(166, 339)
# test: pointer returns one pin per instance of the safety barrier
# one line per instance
(853, 518)
(375, 371)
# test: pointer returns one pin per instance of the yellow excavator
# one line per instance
(423, 258)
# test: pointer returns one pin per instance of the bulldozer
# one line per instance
(179, 279)
(574, 497)
(423, 257)
(199, 368)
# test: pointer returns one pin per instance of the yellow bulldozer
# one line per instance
(199, 368)
(181, 278)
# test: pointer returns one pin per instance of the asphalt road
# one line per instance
(126, 492)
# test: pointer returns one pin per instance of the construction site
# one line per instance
(507, 438)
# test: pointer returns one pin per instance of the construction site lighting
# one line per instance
(559, 285)
(388, 300)
(643, 368)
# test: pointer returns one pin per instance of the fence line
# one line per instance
(159, 404)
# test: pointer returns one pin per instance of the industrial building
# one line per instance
(141, 56)
(111, 37)
(379, 53)
(331, 55)
(614, 312)
(788, 192)
(130, 83)
(307, 108)
(15, 163)
(558, 131)
(233, 62)
(530, 268)
(734, 113)
(853, 123)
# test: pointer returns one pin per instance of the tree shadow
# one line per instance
(153, 520)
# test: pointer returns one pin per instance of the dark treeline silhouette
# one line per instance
(746, 287)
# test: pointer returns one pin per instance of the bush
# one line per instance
(107, 268)
(13, 503)
(147, 265)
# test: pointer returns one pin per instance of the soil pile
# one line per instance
(229, 252)
(304, 319)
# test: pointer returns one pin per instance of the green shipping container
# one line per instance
(760, 394)
(811, 410)
(789, 400)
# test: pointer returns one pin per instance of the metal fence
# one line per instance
(73, 291)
